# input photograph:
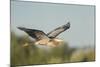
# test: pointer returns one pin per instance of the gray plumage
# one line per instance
(58, 30)
(39, 35)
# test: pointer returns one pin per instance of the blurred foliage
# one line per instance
(32, 55)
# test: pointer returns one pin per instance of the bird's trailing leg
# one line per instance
(26, 44)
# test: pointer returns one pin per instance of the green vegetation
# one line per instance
(33, 55)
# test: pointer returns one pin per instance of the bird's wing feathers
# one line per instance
(58, 30)
(39, 35)
(36, 34)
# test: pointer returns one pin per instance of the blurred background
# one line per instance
(79, 40)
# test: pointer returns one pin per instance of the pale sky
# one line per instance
(47, 16)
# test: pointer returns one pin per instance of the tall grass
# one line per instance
(33, 55)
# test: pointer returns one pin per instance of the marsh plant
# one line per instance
(33, 55)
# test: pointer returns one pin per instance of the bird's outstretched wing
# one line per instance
(36, 34)
(58, 30)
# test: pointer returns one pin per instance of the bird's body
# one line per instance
(53, 42)
(48, 39)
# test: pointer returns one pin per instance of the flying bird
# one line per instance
(48, 39)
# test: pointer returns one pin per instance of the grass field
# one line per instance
(32, 55)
